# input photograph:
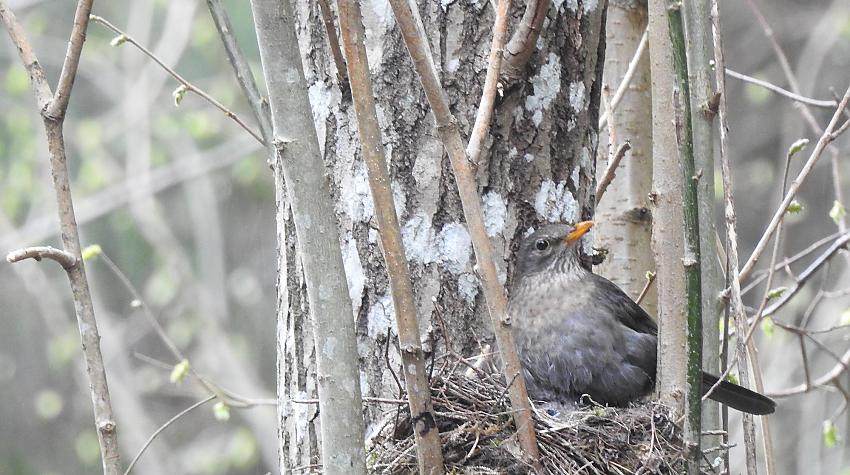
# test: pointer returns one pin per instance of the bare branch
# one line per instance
(53, 114)
(611, 171)
(240, 65)
(488, 96)
(65, 259)
(627, 78)
(333, 42)
(163, 427)
(733, 276)
(59, 104)
(524, 39)
(824, 140)
(782, 92)
(43, 94)
(189, 86)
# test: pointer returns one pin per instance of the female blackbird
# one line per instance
(577, 333)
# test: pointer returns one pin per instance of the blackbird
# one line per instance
(578, 333)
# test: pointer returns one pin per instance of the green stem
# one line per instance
(691, 217)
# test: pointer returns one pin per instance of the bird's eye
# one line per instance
(541, 244)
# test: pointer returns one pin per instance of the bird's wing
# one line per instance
(620, 304)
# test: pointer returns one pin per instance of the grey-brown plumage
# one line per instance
(578, 333)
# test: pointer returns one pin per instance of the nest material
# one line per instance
(478, 434)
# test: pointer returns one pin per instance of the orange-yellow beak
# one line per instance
(578, 231)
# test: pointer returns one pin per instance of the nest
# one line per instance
(478, 435)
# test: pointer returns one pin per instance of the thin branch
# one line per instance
(426, 432)
(43, 94)
(524, 40)
(59, 104)
(53, 115)
(417, 46)
(189, 86)
(488, 96)
(824, 140)
(734, 277)
(627, 78)
(828, 378)
(163, 427)
(611, 171)
(333, 42)
(65, 259)
(782, 92)
(649, 280)
(762, 274)
(244, 76)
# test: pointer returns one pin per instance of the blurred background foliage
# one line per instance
(182, 200)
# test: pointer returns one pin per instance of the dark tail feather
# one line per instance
(737, 397)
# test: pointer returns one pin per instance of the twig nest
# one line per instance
(478, 434)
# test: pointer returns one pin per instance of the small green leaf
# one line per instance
(179, 371)
(221, 411)
(767, 326)
(777, 292)
(92, 251)
(179, 93)
(830, 434)
(797, 147)
(794, 207)
(837, 212)
(118, 40)
(732, 378)
(650, 275)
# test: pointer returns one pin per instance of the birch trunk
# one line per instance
(537, 166)
(624, 220)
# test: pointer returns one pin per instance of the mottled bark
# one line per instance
(536, 166)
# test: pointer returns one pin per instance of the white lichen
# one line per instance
(353, 273)
(590, 5)
(451, 247)
(454, 247)
(495, 213)
(547, 85)
(381, 318)
(418, 238)
(467, 287)
(555, 203)
(577, 96)
(399, 199)
(322, 101)
(356, 195)
(528, 157)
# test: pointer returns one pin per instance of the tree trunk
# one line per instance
(624, 221)
(537, 166)
(667, 231)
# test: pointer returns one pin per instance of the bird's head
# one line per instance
(552, 248)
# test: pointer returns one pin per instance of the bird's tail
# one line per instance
(737, 397)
